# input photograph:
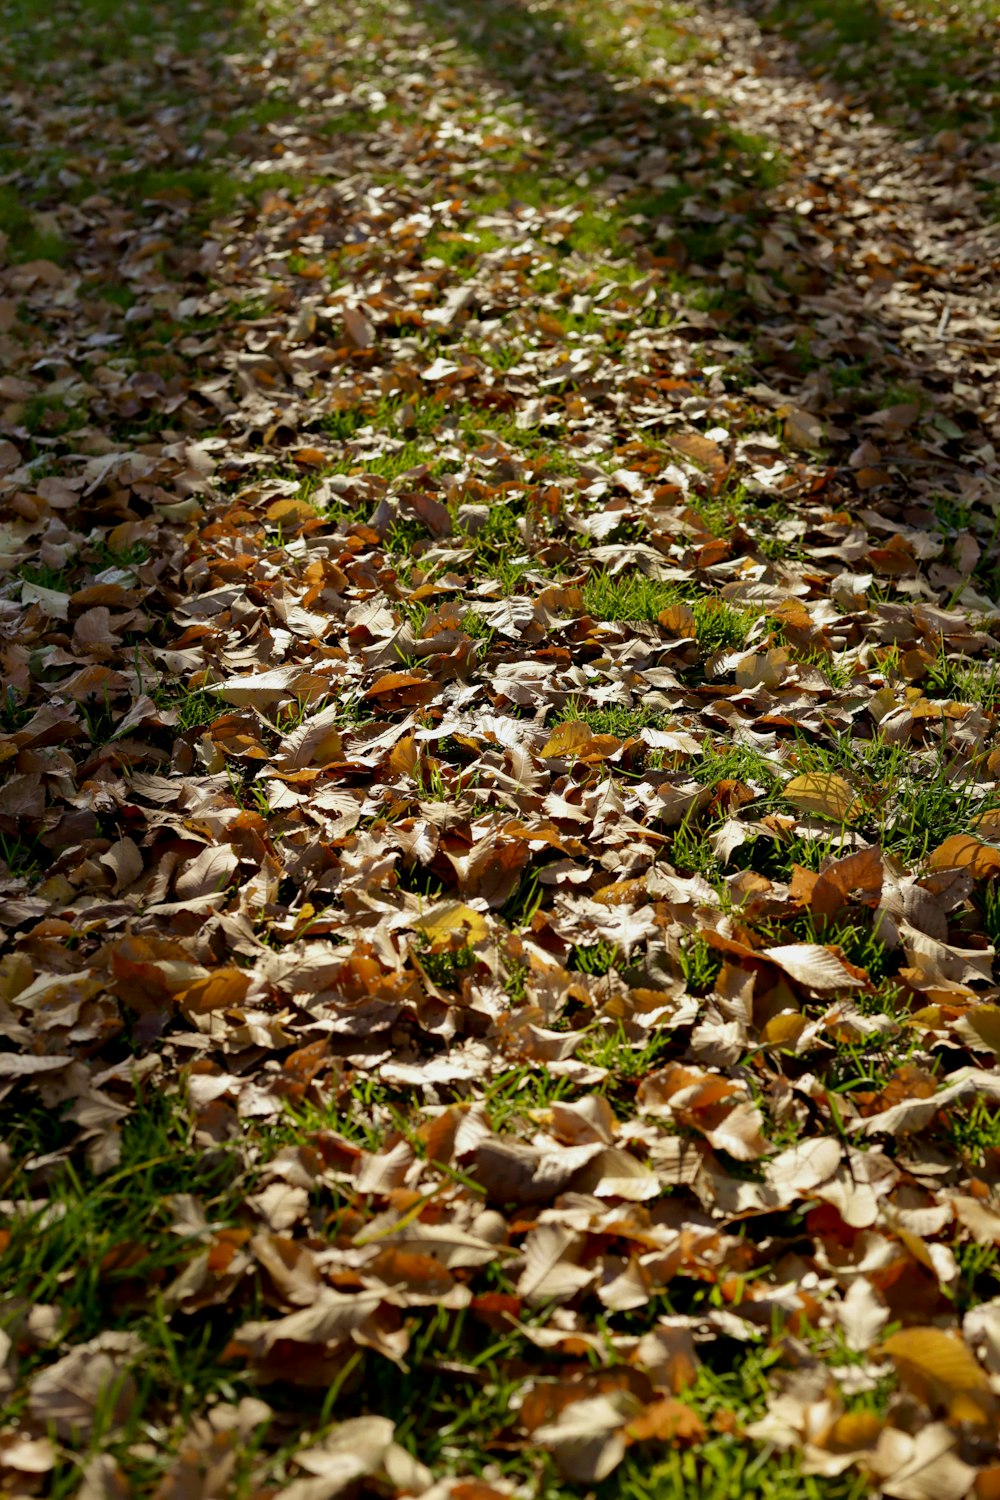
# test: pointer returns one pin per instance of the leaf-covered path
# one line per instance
(499, 806)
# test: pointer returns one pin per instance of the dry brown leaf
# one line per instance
(65, 1396)
(860, 872)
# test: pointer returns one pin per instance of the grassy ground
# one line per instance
(440, 361)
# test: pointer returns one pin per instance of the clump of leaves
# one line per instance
(498, 819)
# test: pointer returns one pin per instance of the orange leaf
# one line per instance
(218, 991)
(701, 450)
(667, 1421)
(678, 620)
(963, 852)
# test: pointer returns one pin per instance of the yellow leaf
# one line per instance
(453, 916)
(784, 1029)
(566, 738)
(327, 749)
(929, 1016)
(821, 792)
(936, 1364)
(852, 1432)
(985, 1022)
(291, 512)
(404, 756)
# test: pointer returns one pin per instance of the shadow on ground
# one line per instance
(139, 106)
(700, 196)
(920, 70)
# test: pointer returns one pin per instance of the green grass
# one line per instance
(120, 1217)
(498, 538)
(449, 969)
(735, 763)
(627, 1061)
(50, 417)
(628, 596)
(197, 709)
(34, 31)
(912, 801)
(961, 681)
(522, 49)
(465, 1425)
(26, 238)
(973, 1130)
(616, 719)
(44, 577)
(720, 627)
(700, 965)
(460, 252)
(213, 192)
(909, 802)
(594, 959)
(22, 857)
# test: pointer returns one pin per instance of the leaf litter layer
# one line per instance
(499, 817)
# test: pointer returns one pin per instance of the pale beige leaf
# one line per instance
(103, 1480)
(803, 1167)
(861, 1315)
(740, 1132)
(551, 1272)
(586, 1439)
(924, 1466)
(260, 689)
(51, 601)
(26, 1455)
(208, 873)
(914, 1114)
(124, 861)
(813, 965)
(353, 1449)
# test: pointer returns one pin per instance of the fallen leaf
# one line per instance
(823, 793)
